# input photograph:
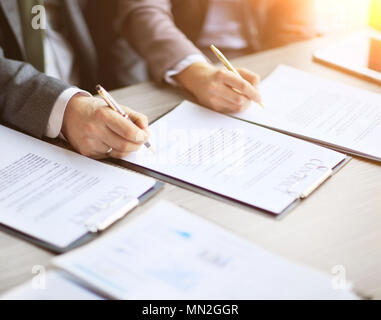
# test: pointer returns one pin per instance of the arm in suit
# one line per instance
(149, 27)
(30, 101)
(26, 96)
(26, 101)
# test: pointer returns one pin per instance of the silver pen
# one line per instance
(114, 106)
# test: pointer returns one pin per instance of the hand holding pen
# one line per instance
(115, 106)
(229, 67)
(213, 86)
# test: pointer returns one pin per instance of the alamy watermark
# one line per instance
(339, 280)
(39, 17)
(39, 280)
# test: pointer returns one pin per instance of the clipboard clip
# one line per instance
(308, 189)
(102, 219)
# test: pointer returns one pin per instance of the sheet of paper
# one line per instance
(49, 193)
(336, 114)
(55, 286)
(168, 253)
(233, 158)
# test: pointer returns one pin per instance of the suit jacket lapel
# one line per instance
(10, 9)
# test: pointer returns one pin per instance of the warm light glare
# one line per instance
(342, 15)
(375, 14)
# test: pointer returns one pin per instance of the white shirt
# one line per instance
(223, 25)
(222, 28)
(59, 63)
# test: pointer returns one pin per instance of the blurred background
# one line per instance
(347, 15)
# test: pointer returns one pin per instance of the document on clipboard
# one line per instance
(335, 115)
(59, 199)
(234, 159)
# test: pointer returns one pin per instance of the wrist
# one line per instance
(190, 76)
(69, 111)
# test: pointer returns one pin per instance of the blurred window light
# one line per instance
(342, 15)
(375, 14)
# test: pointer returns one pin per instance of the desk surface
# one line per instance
(338, 225)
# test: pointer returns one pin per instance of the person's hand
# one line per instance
(213, 87)
(92, 128)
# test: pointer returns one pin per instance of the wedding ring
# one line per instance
(108, 152)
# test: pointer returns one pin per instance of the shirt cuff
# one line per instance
(54, 126)
(182, 65)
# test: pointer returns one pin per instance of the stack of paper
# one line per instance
(170, 254)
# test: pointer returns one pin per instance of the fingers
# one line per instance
(97, 149)
(253, 78)
(120, 146)
(237, 101)
(115, 132)
(138, 118)
(125, 128)
(93, 148)
(242, 85)
(220, 104)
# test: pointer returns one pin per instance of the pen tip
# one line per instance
(151, 149)
(213, 48)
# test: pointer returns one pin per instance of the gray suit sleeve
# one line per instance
(149, 27)
(26, 96)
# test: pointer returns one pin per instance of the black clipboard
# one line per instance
(82, 240)
(208, 193)
(211, 194)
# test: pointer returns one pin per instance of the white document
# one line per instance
(340, 116)
(168, 253)
(51, 193)
(233, 158)
(55, 286)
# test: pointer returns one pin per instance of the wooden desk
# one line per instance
(339, 224)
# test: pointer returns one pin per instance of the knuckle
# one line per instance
(88, 143)
(241, 86)
(101, 113)
(238, 99)
(219, 74)
(212, 86)
(125, 131)
(124, 147)
(89, 128)
(144, 119)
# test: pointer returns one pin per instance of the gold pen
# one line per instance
(228, 65)
(114, 106)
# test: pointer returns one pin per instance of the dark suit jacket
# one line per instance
(267, 23)
(165, 31)
(27, 96)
